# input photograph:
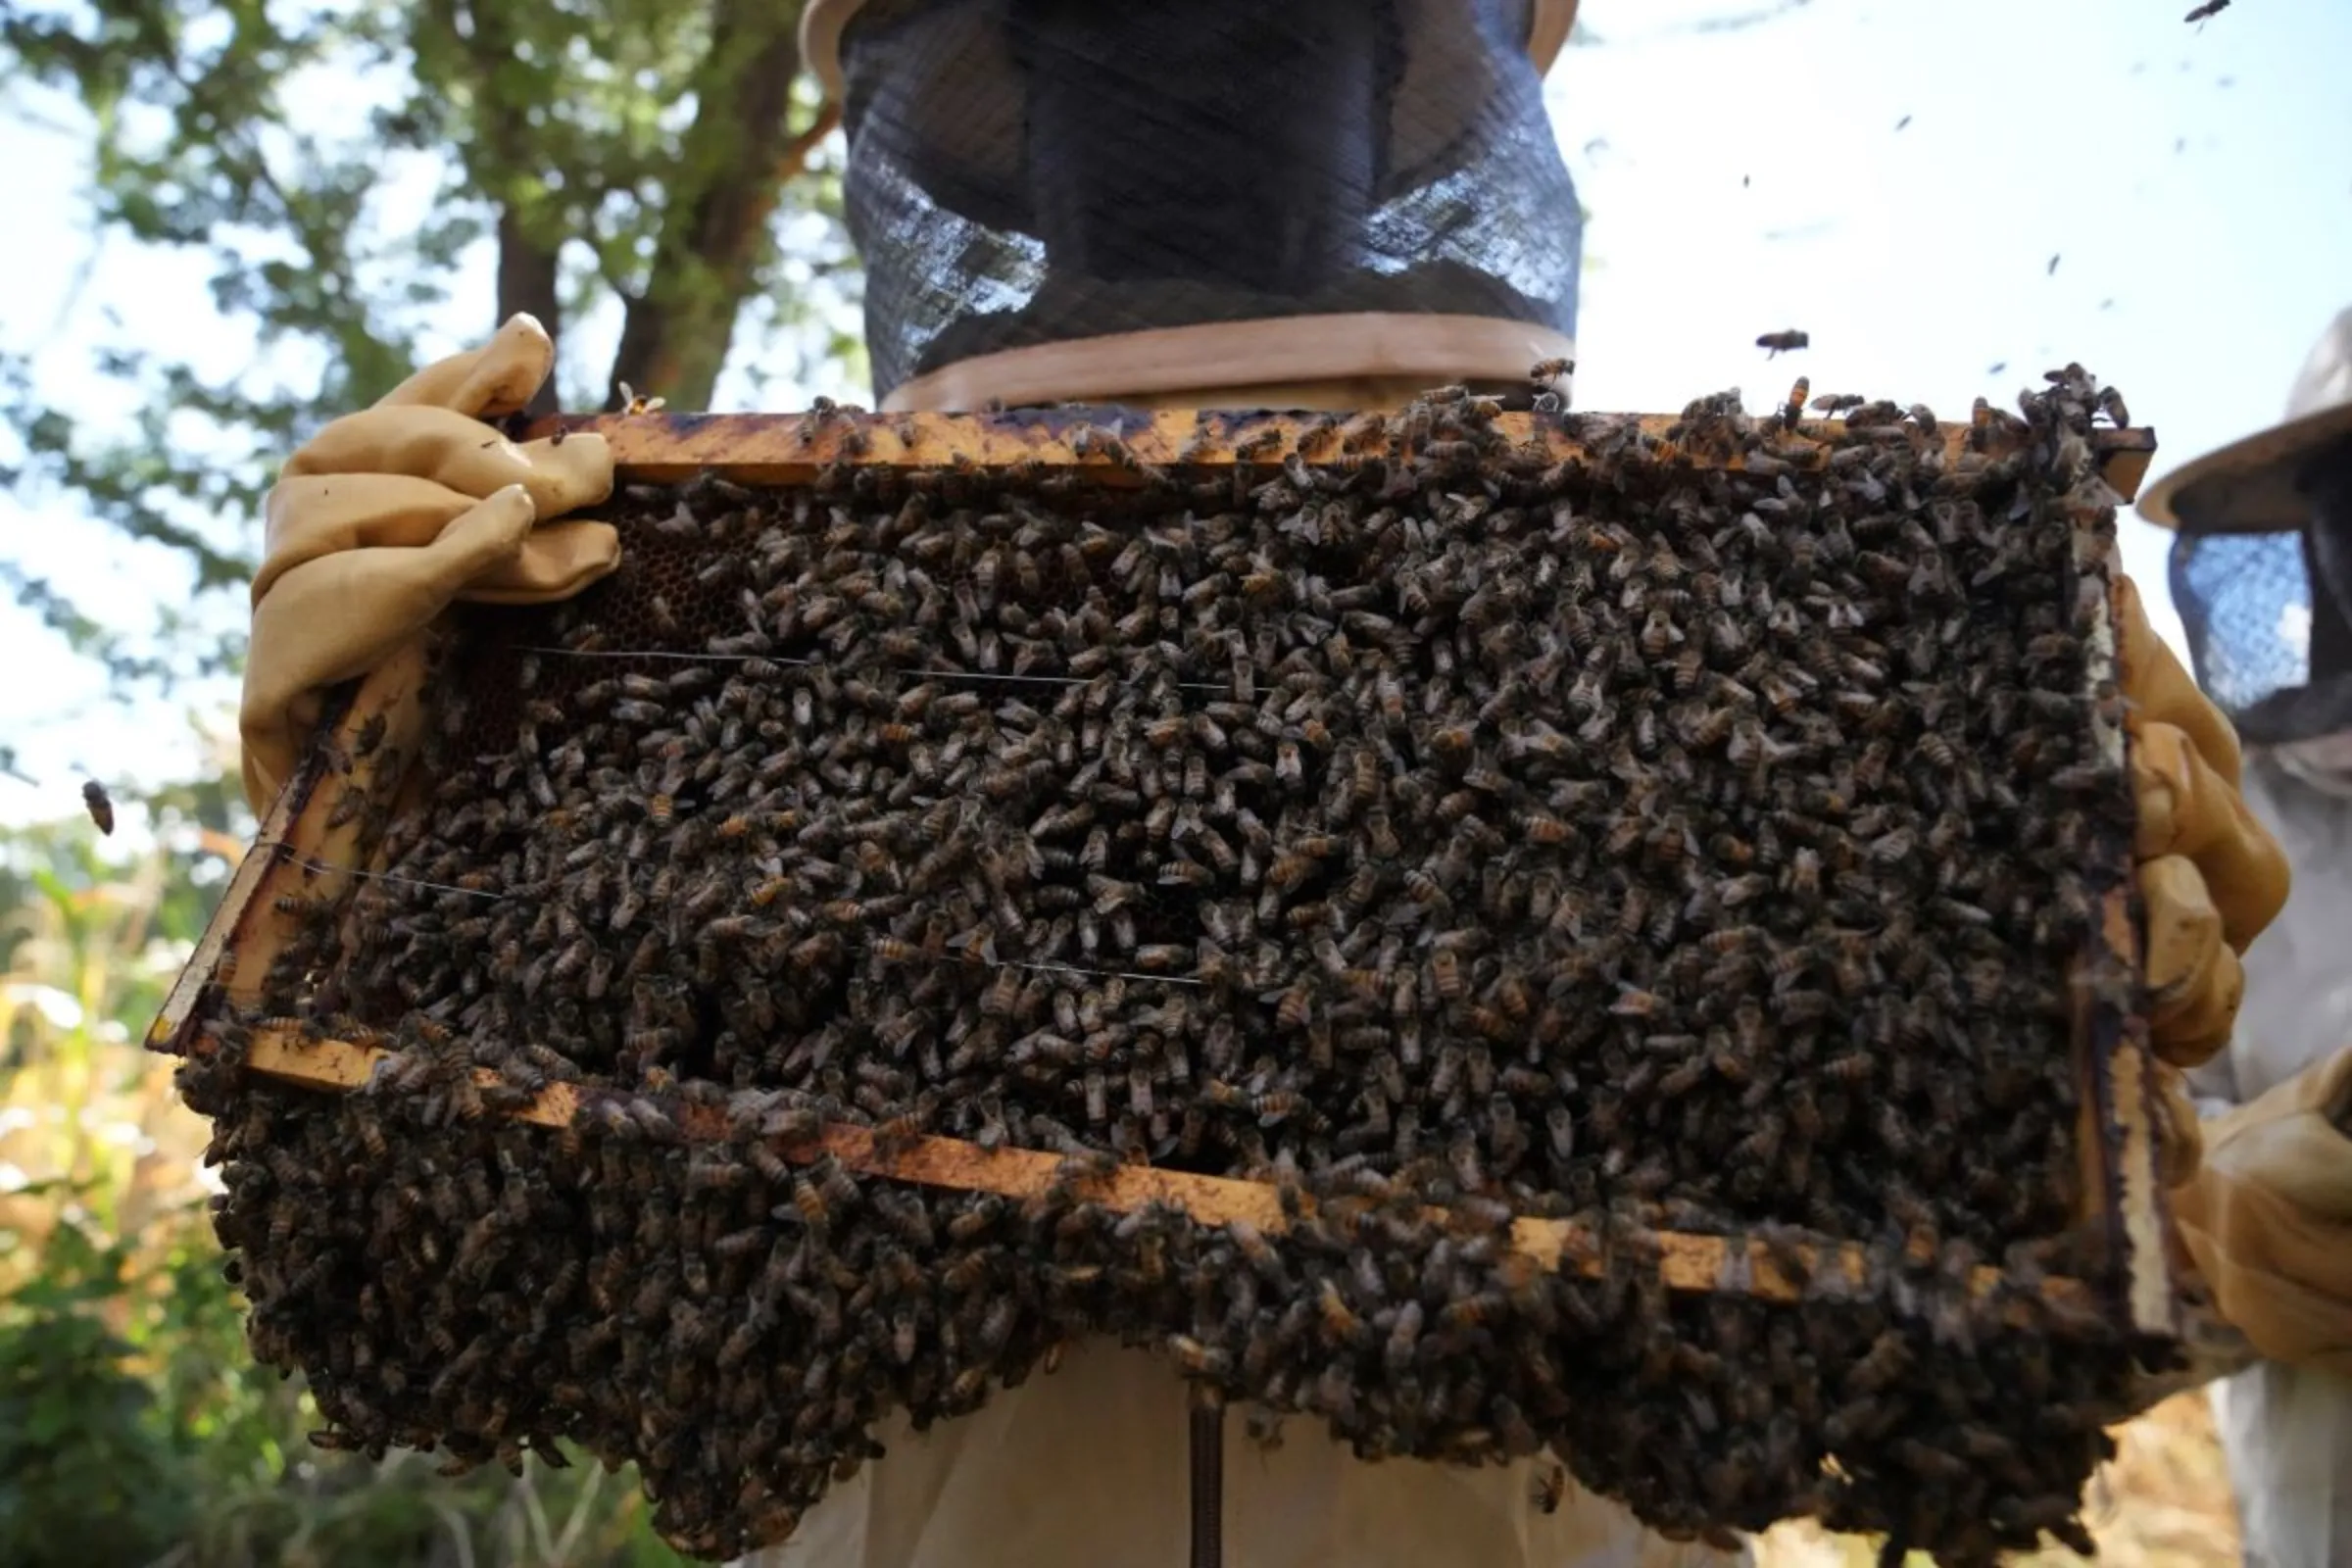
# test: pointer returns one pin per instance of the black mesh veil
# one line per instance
(1024, 172)
(2269, 617)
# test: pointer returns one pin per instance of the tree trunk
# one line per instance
(526, 258)
(526, 282)
(734, 163)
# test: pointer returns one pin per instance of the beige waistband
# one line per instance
(1299, 356)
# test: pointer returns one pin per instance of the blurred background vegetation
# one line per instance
(653, 180)
(134, 1428)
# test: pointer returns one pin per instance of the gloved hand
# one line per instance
(2211, 876)
(2267, 1217)
(387, 515)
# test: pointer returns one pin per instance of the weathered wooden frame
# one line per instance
(306, 849)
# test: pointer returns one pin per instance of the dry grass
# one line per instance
(2163, 1502)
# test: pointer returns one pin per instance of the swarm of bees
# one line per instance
(1431, 828)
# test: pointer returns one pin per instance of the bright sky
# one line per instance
(1892, 176)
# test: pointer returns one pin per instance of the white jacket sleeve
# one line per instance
(2287, 1432)
(1086, 1468)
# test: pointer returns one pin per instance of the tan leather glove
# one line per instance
(2209, 875)
(386, 517)
(2267, 1217)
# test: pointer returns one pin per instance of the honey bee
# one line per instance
(1445, 974)
(1548, 1486)
(1786, 342)
(894, 1138)
(1633, 1003)
(811, 1200)
(1793, 407)
(371, 734)
(1339, 1321)
(100, 807)
(1425, 889)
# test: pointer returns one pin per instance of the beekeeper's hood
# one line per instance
(2262, 571)
(1063, 200)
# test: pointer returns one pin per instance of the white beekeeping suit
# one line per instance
(2259, 604)
(2287, 1429)
(1085, 1468)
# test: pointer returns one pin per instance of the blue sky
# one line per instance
(2194, 184)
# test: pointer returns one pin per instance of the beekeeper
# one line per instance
(1323, 204)
(2262, 573)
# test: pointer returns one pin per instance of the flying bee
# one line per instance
(100, 807)
(1787, 342)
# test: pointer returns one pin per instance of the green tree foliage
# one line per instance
(358, 173)
(85, 1465)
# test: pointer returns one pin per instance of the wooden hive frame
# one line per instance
(307, 849)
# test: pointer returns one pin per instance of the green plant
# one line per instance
(89, 1468)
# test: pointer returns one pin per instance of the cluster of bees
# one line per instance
(1411, 820)
(739, 1326)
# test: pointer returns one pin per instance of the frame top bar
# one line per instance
(781, 449)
